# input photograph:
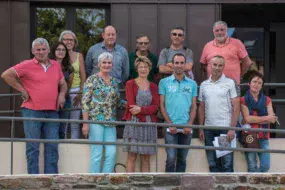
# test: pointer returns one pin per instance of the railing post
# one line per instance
(156, 147)
(12, 147)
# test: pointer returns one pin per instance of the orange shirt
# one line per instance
(41, 84)
(232, 51)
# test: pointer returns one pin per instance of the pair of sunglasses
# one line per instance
(175, 34)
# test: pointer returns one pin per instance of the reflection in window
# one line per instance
(50, 23)
(89, 26)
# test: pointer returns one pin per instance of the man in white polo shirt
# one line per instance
(219, 106)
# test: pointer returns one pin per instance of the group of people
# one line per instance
(45, 80)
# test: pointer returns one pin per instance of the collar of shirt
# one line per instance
(219, 80)
(43, 65)
(104, 46)
(173, 78)
(227, 41)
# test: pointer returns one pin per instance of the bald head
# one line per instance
(109, 35)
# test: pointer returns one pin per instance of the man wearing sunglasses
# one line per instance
(231, 49)
(143, 44)
(165, 64)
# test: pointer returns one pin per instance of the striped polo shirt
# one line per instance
(217, 98)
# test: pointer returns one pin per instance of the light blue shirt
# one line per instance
(120, 69)
(178, 97)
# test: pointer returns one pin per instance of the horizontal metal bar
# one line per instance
(141, 123)
(123, 90)
(72, 141)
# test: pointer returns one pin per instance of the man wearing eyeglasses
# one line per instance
(231, 49)
(165, 64)
(178, 106)
(120, 69)
(143, 44)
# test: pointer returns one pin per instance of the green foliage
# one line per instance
(89, 25)
(50, 23)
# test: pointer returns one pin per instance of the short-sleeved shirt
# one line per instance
(120, 69)
(41, 83)
(261, 135)
(233, 51)
(167, 54)
(217, 98)
(151, 57)
(100, 99)
(178, 97)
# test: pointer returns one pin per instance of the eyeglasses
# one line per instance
(68, 40)
(143, 67)
(59, 49)
(143, 43)
(179, 63)
(179, 35)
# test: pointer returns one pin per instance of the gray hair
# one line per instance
(219, 23)
(40, 41)
(103, 56)
(220, 58)
(71, 33)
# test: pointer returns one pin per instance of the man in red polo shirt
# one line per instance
(233, 51)
(43, 91)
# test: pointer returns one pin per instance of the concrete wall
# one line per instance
(75, 158)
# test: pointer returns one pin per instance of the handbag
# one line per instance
(249, 139)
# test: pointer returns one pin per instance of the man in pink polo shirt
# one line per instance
(233, 51)
(43, 91)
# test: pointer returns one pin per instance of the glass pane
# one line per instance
(89, 26)
(253, 40)
(50, 23)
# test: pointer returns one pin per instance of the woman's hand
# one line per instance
(272, 118)
(134, 109)
(85, 129)
(77, 100)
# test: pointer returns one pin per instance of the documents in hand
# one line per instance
(221, 141)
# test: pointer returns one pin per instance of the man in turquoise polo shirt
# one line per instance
(178, 106)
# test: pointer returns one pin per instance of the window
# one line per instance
(87, 23)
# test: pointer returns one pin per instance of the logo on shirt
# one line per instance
(172, 88)
(186, 89)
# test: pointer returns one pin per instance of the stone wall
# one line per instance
(238, 181)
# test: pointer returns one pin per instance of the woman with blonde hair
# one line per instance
(142, 104)
(79, 77)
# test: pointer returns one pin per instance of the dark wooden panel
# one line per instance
(200, 19)
(120, 20)
(144, 21)
(169, 16)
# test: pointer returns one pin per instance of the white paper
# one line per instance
(220, 153)
(178, 130)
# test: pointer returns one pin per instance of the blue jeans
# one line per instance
(264, 158)
(64, 115)
(103, 134)
(222, 164)
(33, 130)
(176, 156)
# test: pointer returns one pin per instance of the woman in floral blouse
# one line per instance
(99, 102)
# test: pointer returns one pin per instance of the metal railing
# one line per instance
(164, 125)
(157, 145)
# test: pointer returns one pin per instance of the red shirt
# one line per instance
(233, 51)
(261, 135)
(131, 93)
(41, 85)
